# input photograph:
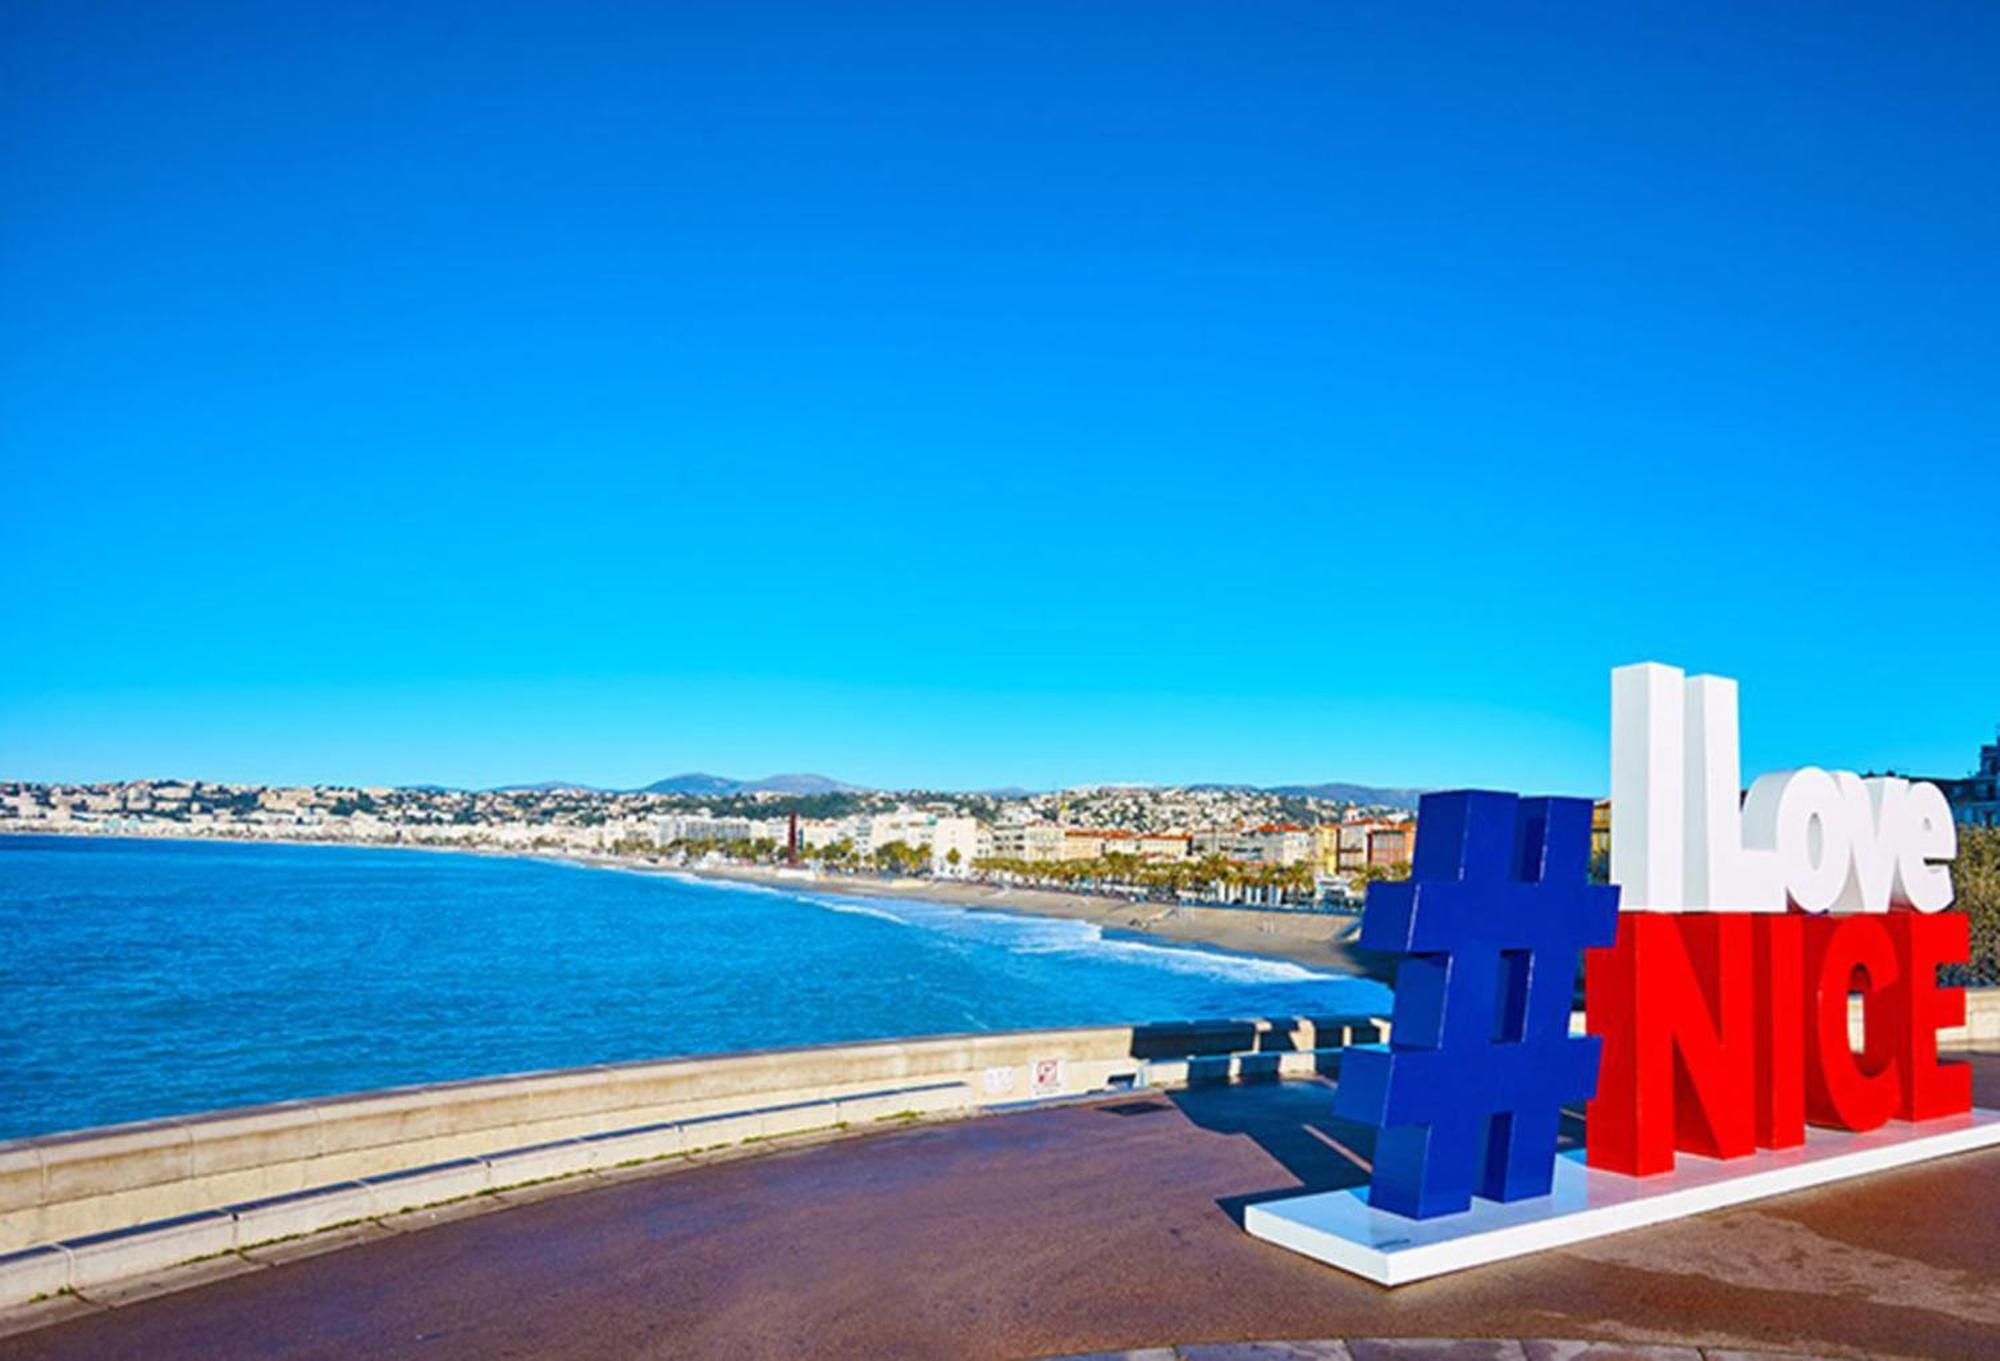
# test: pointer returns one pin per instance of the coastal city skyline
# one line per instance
(1318, 838)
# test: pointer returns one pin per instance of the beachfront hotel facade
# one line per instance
(1355, 845)
(953, 842)
(1033, 842)
(1276, 844)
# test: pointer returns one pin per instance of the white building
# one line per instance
(940, 835)
(702, 827)
(1271, 844)
(1026, 841)
(815, 833)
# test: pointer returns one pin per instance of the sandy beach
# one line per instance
(1309, 938)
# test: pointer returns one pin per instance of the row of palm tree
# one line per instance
(894, 857)
(1213, 877)
(700, 847)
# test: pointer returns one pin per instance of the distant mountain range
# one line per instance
(695, 782)
(1352, 793)
(701, 782)
(698, 782)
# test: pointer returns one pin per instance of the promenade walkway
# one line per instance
(1076, 1229)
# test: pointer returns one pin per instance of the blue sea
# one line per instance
(150, 978)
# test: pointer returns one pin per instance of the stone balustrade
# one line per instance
(81, 1209)
(84, 1208)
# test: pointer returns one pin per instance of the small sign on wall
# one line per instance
(999, 1081)
(1047, 1078)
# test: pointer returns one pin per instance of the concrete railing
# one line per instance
(79, 1210)
(83, 1209)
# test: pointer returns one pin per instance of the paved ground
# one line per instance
(1077, 1229)
(1434, 1349)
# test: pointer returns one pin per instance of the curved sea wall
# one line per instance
(81, 1209)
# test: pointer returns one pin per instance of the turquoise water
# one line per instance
(144, 978)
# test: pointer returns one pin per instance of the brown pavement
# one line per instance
(1085, 1228)
(1433, 1349)
(1533, 1349)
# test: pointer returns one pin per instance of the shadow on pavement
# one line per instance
(1293, 1123)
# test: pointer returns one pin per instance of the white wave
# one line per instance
(1066, 936)
(1025, 934)
(852, 909)
(1238, 968)
(689, 879)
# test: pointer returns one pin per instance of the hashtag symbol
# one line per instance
(1468, 1094)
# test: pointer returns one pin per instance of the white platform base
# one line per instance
(1339, 1228)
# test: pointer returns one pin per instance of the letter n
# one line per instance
(1674, 999)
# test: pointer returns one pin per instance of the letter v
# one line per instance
(1874, 810)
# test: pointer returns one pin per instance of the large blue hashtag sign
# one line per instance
(1469, 1092)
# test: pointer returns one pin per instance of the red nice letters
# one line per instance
(1746, 926)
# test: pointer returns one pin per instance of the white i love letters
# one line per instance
(1817, 840)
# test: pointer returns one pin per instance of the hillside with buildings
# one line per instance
(1237, 842)
(1229, 843)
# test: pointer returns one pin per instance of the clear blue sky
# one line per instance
(1038, 395)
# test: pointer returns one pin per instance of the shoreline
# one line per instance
(1311, 939)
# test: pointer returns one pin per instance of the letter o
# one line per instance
(1800, 817)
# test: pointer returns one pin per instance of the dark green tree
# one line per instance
(1976, 877)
